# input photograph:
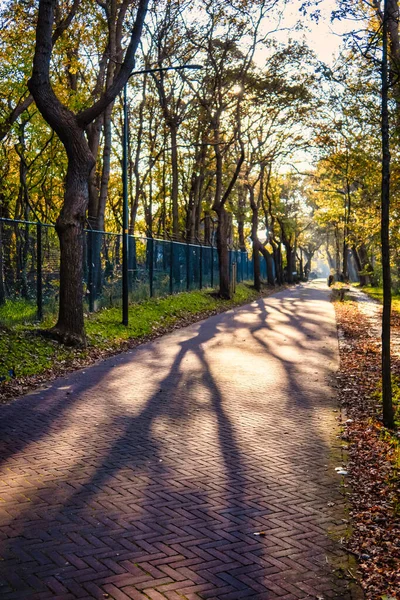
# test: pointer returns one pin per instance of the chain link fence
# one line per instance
(29, 269)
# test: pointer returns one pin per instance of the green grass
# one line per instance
(27, 353)
(15, 312)
(377, 293)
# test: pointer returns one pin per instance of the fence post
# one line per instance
(187, 266)
(151, 265)
(242, 265)
(247, 262)
(212, 266)
(171, 267)
(201, 267)
(39, 283)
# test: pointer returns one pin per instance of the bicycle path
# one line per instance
(150, 474)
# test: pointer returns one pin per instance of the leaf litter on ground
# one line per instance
(374, 455)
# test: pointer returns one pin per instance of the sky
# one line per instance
(323, 37)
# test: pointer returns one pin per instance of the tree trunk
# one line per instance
(192, 208)
(345, 259)
(93, 137)
(256, 264)
(223, 253)
(289, 262)
(357, 259)
(70, 128)
(175, 180)
(69, 226)
(337, 255)
(388, 416)
(331, 262)
(269, 261)
(366, 265)
(278, 262)
(241, 217)
(307, 265)
(346, 231)
(394, 40)
(207, 228)
(301, 270)
(255, 240)
(2, 286)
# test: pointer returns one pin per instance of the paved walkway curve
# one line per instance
(147, 475)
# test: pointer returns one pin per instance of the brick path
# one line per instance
(146, 476)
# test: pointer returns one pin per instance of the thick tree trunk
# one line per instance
(269, 261)
(223, 253)
(289, 262)
(70, 229)
(93, 137)
(278, 262)
(256, 264)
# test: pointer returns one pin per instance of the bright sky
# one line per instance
(323, 37)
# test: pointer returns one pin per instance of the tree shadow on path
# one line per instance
(173, 484)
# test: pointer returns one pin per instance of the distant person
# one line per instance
(330, 280)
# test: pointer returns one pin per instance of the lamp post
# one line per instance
(125, 206)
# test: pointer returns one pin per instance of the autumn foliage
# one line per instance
(374, 454)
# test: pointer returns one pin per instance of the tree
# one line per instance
(380, 45)
(71, 128)
(388, 415)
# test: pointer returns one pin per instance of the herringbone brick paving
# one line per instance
(147, 475)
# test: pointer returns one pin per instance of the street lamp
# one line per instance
(125, 208)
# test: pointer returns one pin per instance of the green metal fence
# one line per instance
(29, 268)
